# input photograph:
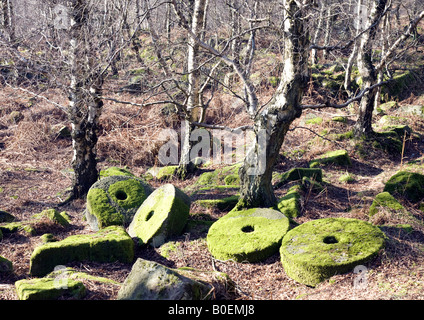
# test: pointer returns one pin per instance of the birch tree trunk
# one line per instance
(85, 106)
(363, 126)
(272, 123)
(7, 19)
(194, 109)
(353, 56)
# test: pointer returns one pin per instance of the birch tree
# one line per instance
(371, 72)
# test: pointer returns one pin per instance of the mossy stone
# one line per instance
(339, 157)
(406, 184)
(227, 203)
(166, 172)
(248, 235)
(61, 218)
(385, 200)
(318, 249)
(48, 289)
(162, 215)
(149, 280)
(107, 245)
(6, 217)
(297, 174)
(114, 200)
(6, 265)
(289, 205)
(48, 237)
(223, 176)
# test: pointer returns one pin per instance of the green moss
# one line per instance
(399, 85)
(48, 289)
(55, 216)
(232, 179)
(127, 194)
(162, 215)
(289, 205)
(317, 121)
(392, 120)
(297, 174)
(400, 130)
(347, 178)
(339, 157)
(343, 136)
(69, 273)
(13, 227)
(168, 248)
(406, 184)
(385, 200)
(339, 119)
(221, 204)
(166, 172)
(274, 81)
(115, 171)
(108, 245)
(98, 205)
(248, 235)
(219, 176)
(48, 237)
(318, 249)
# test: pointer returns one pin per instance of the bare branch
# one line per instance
(211, 126)
(358, 97)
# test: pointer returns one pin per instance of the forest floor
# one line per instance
(35, 172)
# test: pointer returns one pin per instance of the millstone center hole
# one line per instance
(149, 215)
(121, 195)
(248, 229)
(330, 240)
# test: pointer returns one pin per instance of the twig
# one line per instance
(322, 137)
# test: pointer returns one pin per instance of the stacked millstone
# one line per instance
(248, 235)
(162, 215)
(114, 200)
(319, 249)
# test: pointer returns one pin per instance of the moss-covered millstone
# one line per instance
(162, 215)
(114, 200)
(297, 174)
(107, 245)
(406, 184)
(248, 235)
(339, 157)
(318, 249)
(49, 289)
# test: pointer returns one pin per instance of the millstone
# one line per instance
(318, 249)
(114, 200)
(162, 215)
(248, 235)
